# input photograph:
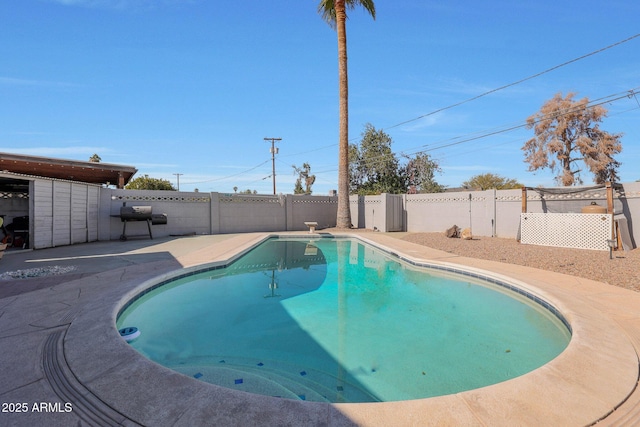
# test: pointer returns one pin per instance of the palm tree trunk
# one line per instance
(344, 211)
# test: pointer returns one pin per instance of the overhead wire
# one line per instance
(231, 176)
(457, 140)
(548, 70)
(597, 102)
(501, 129)
(314, 172)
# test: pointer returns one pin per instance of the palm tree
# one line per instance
(334, 12)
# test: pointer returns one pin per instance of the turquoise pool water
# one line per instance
(340, 321)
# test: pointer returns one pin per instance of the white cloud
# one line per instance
(77, 152)
(424, 122)
(10, 81)
(110, 4)
(156, 165)
(120, 4)
(458, 86)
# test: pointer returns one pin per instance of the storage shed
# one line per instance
(46, 202)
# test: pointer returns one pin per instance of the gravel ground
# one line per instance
(53, 270)
(623, 270)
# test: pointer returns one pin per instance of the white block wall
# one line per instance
(64, 212)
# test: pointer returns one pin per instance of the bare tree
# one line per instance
(566, 133)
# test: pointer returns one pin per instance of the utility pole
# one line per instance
(274, 151)
(178, 175)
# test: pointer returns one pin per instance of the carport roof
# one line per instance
(73, 170)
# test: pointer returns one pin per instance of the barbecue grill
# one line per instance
(140, 213)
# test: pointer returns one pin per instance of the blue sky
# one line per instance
(193, 87)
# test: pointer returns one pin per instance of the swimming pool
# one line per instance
(337, 320)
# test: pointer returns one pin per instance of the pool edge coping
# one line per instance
(478, 405)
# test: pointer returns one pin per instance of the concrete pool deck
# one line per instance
(62, 362)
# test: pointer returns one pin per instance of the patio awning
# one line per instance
(73, 170)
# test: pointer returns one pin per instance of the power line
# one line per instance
(629, 94)
(231, 176)
(315, 172)
(486, 93)
(594, 103)
(457, 140)
(516, 82)
(311, 151)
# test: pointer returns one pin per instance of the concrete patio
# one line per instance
(62, 362)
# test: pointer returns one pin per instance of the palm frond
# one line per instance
(327, 9)
(368, 5)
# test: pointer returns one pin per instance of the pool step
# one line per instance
(253, 381)
(276, 379)
(303, 383)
